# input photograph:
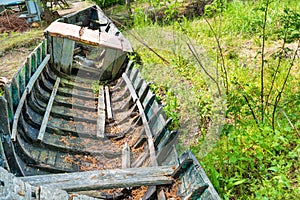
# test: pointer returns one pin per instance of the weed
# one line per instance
(250, 159)
(1, 92)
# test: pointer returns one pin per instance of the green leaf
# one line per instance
(239, 182)
(274, 169)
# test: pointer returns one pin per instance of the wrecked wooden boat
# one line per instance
(78, 121)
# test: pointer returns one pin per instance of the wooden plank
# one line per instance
(153, 161)
(150, 193)
(67, 56)
(34, 64)
(17, 115)
(45, 193)
(162, 131)
(48, 110)
(108, 104)
(88, 36)
(182, 167)
(101, 113)
(57, 46)
(24, 95)
(126, 156)
(15, 91)
(130, 87)
(37, 73)
(129, 66)
(104, 179)
(12, 187)
(5, 129)
(161, 194)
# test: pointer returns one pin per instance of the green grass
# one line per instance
(17, 39)
(242, 159)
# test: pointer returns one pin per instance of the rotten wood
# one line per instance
(104, 179)
(108, 104)
(48, 110)
(126, 156)
(88, 36)
(24, 95)
(101, 113)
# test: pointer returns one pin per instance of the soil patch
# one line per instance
(11, 62)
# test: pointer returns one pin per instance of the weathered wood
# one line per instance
(12, 187)
(57, 47)
(108, 104)
(5, 129)
(149, 134)
(24, 95)
(67, 56)
(130, 87)
(48, 110)
(37, 73)
(197, 192)
(17, 115)
(126, 156)
(88, 36)
(15, 91)
(104, 179)
(182, 167)
(150, 193)
(161, 132)
(153, 160)
(141, 159)
(51, 194)
(101, 113)
(129, 66)
(45, 193)
(161, 194)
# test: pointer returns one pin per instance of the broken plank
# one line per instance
(48, 110)
(101, 113)
(104, 179)
(126, 156)
(108, 104)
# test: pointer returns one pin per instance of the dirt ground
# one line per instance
(12, 61)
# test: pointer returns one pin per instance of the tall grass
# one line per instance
(249, 159)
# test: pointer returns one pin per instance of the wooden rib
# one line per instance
(130, 87)
(108, 104)
(153, 161)
(161, 194)
(104, 179)
(101, 113)
(17, 115)
(24, 95)
(37, 73)
(182, 167)
(126, 156)
(48, 110)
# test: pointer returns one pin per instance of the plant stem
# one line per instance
(278, 97)
(203, 68)
(274, 77)
(263, 62)
(221, 54)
